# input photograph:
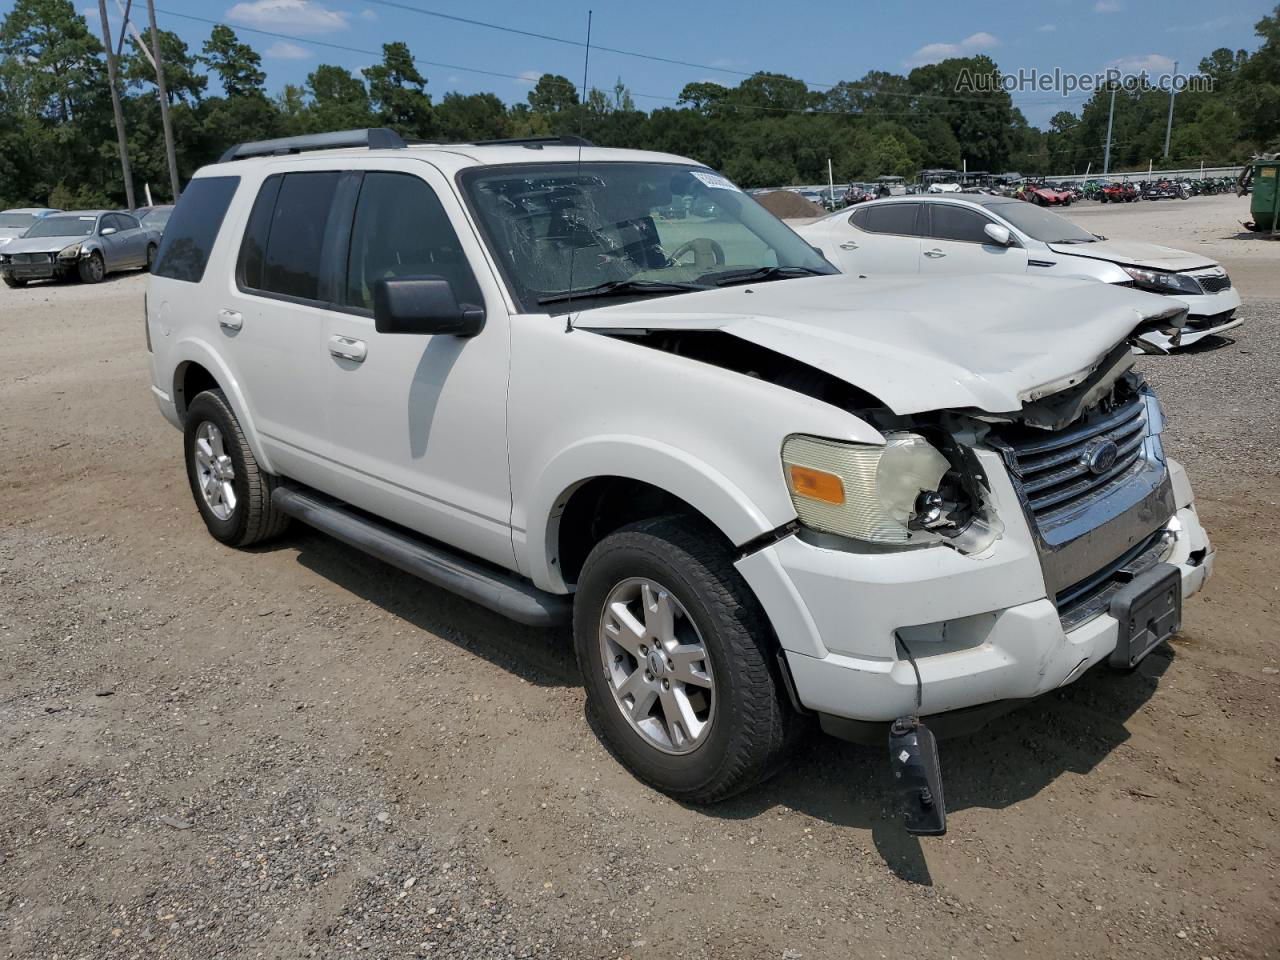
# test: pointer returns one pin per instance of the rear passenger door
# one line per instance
(882, 238)
(418, 422)
(273, 319)
(133, 240)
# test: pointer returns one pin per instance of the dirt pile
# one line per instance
(784, 205)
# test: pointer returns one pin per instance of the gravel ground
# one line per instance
(295, 751)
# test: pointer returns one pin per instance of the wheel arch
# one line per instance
(199, 368)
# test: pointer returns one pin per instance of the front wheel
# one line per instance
(13, 283)
(151, 257)
(678, 662)
(232, 493)
(92, 269)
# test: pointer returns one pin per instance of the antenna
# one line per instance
(573, 251)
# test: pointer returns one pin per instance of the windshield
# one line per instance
(157, 218)
(1039, 224)
(627, 229)
(19, 220)
(62, 227)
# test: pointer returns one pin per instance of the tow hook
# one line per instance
(913, 757)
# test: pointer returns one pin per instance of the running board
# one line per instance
(499, 591)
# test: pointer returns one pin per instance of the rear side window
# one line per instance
(401, 230)
(193, 228)
(950, 222)
(897, 218)
(125, 222)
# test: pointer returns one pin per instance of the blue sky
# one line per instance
(821, 42)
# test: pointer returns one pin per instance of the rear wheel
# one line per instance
(678, 661)
(92, 269)
(232, 493)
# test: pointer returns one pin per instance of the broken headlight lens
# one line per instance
(1162, 282)
(859, 490)
(69, 253)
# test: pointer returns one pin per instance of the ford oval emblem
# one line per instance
(1101, 457)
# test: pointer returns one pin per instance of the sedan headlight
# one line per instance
(69, 253)
(1162, 282)
(859, 490)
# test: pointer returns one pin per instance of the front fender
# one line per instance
(649, 461)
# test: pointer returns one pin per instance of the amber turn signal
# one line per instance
(816, 484)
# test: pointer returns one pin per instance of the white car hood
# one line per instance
(983, 342)
(1135, 254)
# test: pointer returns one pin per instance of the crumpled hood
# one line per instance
(916, 344)
(1134, 253)
(40, 244)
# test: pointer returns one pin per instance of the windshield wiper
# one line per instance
(1074, 240)
(727, 278)
(621, 288)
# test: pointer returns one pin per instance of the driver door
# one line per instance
(956, 243)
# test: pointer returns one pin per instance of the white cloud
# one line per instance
(367, 14)
(527, 78)
(299, 16)
(934, 52)
(1150, 62)
(1047, 28)
(282, 50)
(453, 78)
(1107, 6)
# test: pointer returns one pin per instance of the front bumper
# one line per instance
(982, 629)
(1207, 315)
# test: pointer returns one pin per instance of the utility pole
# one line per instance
(164, 101)
(1168, 129)
(1106, 159)
(115, 105)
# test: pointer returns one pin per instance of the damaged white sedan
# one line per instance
(759, 490)
(978, 234)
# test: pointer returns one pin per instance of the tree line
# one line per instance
(57, 141)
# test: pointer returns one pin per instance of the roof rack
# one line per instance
(375, 138)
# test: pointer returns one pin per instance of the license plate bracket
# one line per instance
(1148, 611)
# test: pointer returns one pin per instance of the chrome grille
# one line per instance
(1214, 283)
(1058, 471)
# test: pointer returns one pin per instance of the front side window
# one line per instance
(401, 230)
(295, 237)
(125, 222)
(951, 222)
(63, 227)
(637, 229)
(188, 241)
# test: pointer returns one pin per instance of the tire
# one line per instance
(151, 257)
(247, 516)
(92, 269)
(13, 283)
(749, 724)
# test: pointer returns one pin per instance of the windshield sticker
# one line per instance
(91, 219)
(714, 181)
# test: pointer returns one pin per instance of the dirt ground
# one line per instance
(296, 751)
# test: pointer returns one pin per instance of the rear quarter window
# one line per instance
(193, 228)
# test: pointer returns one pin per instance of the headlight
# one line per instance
(69, 253)
(1162, 282)
(859, 490)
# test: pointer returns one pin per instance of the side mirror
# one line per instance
(107, 231)
(423, 305)
(998, 234)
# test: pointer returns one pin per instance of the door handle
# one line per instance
(848, 245)
(230, 319)
(344, 348)
(934, 254)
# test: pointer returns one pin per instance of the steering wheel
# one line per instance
(706, 253)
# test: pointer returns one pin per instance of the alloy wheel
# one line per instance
(214, 471)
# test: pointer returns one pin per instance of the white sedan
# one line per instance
(973, 233)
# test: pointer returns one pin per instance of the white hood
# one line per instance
(986, 342)
(1134, 253)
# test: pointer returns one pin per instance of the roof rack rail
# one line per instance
(534, 143)
(375, 138)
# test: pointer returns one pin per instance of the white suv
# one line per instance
(758, 488)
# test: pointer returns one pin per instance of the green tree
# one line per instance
(339, 100)
(398, 92)
(553, 94)
(184, 81)
(479, 116)
(51, 43)
(238, 65)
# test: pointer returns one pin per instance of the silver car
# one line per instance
(17, 221)
(89, 243)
